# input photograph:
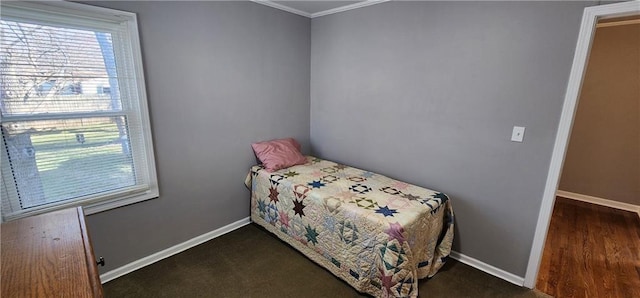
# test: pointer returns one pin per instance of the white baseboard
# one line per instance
(148, 260)
(482, 266)
(599, 201)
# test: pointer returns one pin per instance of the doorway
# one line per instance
(587, 31)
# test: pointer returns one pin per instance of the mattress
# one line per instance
(378, 234)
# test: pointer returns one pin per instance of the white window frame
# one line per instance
(87, 16)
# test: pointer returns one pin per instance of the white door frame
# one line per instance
(585, 38)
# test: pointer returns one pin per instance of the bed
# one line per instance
(378, 234)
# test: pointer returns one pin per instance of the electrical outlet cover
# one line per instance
(518, 134)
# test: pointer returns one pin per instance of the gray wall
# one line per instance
(220, 75)
(428, 92)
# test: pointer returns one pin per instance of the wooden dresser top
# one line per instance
(48, 255)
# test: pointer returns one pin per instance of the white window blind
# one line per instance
(75, 125)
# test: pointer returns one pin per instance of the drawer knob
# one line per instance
(101, 261)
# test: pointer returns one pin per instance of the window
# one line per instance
(75, 125)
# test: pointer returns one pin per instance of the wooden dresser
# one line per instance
(49, 255)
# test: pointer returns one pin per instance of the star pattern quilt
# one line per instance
(378, 234)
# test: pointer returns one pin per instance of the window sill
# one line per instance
(89, 207)
(119, 202)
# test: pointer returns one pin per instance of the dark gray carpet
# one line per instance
(250, 262)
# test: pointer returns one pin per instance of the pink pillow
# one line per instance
(279, 154)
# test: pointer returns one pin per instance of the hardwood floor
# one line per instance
(591, 251)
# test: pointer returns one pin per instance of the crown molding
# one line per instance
(347, 7)
(282, 7)
(320, 13)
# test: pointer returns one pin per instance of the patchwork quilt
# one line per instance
(378, 234)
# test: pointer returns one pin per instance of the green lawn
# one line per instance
(96, 134)
(70, 169)
(100, 169)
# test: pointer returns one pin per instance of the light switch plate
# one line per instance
(518, 134)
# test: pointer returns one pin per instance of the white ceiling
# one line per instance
(313, 9)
